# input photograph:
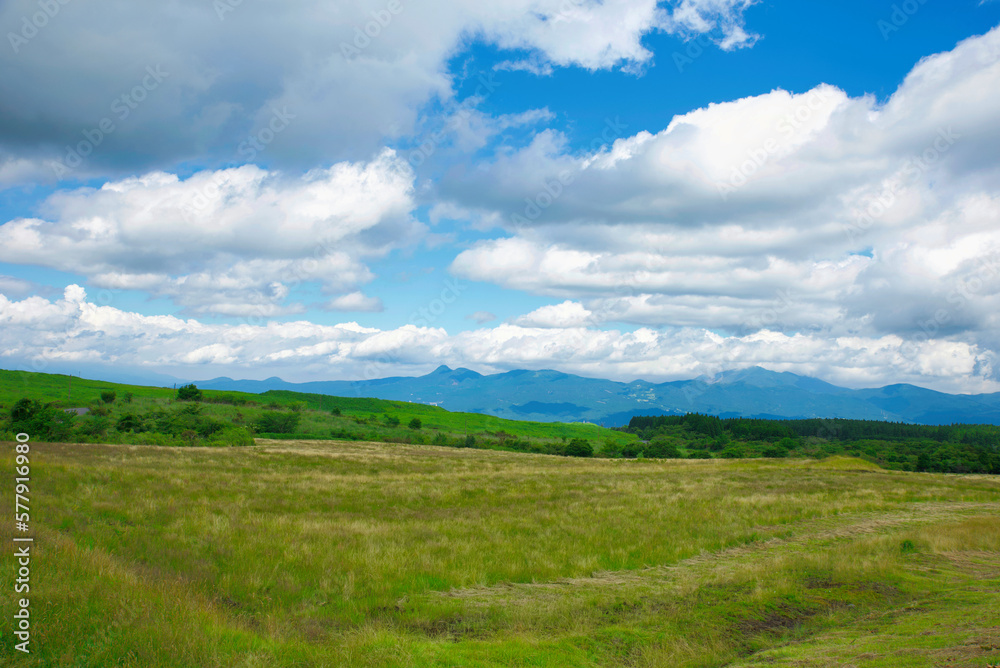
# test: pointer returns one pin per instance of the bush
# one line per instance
(40, 421)
(129, 422)
(391, 420)
(733, 452)
(108, 397)
(440, 439)
(415, 423)
(274, 422)
(334, 411)
(232, 437)
(662, 448)
(579, 448)
(775, 452)
(188, 393)
(470, 441)
(632, 450)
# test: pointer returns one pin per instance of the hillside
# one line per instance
(139, 414)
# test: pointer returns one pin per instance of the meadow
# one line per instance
(336, 553)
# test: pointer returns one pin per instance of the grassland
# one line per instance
(302, 553)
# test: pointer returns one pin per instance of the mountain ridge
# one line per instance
(549, 395)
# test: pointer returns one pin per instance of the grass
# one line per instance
(304, 553)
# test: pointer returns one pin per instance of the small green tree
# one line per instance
(662, 447)
(470, 441)
(415, 423)
(579, 448)
(274, 422)
(108, 397)
(188, 393)
(127, 397)
(733, 452)
(632, 450)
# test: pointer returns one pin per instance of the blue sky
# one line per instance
(626, 189)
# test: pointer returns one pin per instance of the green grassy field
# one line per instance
(300, 553)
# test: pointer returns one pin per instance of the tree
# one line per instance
(40, 421)
(733, 452)
(470, 441)
(415, 423)
(923, 462)
(632, 450)
(579, 448)
(108, 397)
(188, 393)
(662, 447)
(274, 422)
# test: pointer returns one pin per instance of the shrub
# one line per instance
(579, 448)
(440, 439)
(232, 437)
(611, 449)
(775, 452)
(188, 393)
(40, 421)
(415, 423)
(391, 420)
(470, 441)
(334, 411)
(632, 450)
(108, 397)
(274, 422)
(733, 452)
(662, 448)
(130, 422)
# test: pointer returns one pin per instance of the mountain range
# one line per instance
(549, 396)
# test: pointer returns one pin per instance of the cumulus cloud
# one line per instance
(814, 212)
(346, 75)
(722, 19)
(231, 242)
(356, 301)
(73, 329)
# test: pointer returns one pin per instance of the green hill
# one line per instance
(135, 414)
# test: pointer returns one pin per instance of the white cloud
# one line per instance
(229, 66)
(356, 301)
(723, 19)
(45, 332)
(232, 242)
(813, 212)
(567, 314)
